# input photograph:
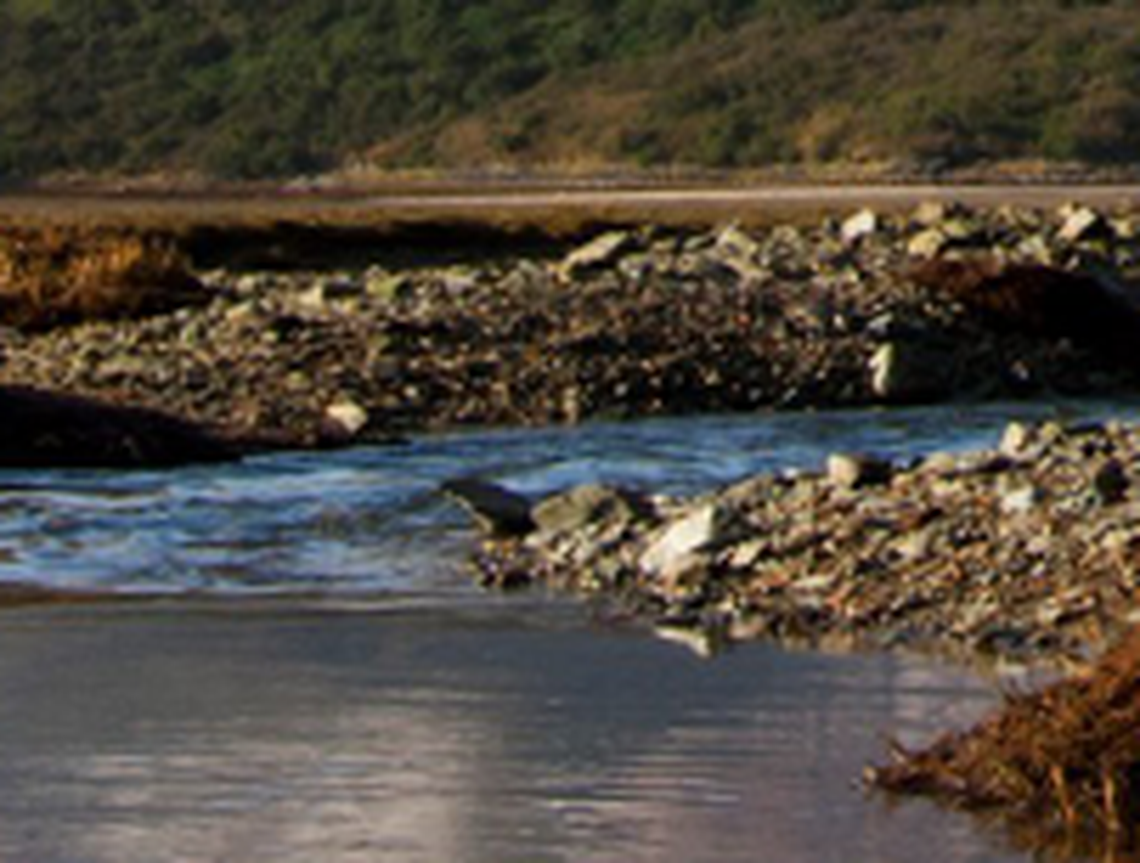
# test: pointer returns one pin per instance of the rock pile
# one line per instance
(1029, 551)
(636, 322)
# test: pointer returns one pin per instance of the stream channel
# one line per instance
(313, 677)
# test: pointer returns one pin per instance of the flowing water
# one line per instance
(315, 679)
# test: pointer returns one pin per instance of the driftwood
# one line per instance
(44, 430)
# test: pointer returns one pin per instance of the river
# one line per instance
(315, 678)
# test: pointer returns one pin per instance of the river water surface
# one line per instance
(315, 679)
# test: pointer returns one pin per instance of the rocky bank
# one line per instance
(870, 309)
(1027, 552)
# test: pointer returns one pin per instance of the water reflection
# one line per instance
(448, 736)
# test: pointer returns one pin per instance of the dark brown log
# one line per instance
(44, 430)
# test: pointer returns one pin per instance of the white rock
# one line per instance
(928, 244)
(1016, 439)
(685, 536)
(1081, 223)
(349, 416)
(931, 213)
(601, 252)
(1021, 501)
(734, 242)
(314, 298)
(848, 471)
(905, 372)
(862, 224)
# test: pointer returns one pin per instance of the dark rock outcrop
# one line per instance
(44, 430)
(499, 512)
(1043, 301)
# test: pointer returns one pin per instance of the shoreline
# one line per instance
(1018, 554)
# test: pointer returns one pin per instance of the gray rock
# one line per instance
(497, 511)
(587, 505)
(600, 253)
(705, 527)
(852, 471)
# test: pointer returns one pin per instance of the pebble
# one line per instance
(348, 416)
(863, 224)
(851, 471)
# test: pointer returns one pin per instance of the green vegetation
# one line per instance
(279, 87)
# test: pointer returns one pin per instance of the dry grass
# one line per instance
(1062, 766)
(65, 275)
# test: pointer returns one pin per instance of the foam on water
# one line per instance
(371, 521)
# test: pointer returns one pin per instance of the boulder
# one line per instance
(600, 253)
(588, 505)
(1093, 312)
(498, 512)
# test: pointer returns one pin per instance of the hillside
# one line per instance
(282, 87)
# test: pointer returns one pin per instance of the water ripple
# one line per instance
(371, 520)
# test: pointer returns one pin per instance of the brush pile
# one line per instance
(1062, 766)
(61, 276)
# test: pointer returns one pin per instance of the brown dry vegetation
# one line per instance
(58, 275)
(1061, 766)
